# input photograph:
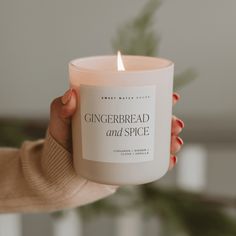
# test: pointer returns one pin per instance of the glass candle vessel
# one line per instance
(122, 126)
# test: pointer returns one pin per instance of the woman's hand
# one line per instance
(62, 109)
(176, 141)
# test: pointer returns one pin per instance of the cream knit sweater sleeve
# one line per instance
(40, 177)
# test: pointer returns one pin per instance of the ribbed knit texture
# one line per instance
(40, 177)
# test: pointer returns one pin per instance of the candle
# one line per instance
(121, 128)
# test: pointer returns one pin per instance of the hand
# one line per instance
(62, 109)
(176, 141)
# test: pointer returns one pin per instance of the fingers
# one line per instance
(62, 108)
(173, 161)
(68, 104)
(176, 142)
(175, 98)
(176, 126)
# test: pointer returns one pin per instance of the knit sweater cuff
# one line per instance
(57, 163)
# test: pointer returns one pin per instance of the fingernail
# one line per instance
(179, 140)
(67, 96)
(180, 123)
(174, 160)
(176, 96)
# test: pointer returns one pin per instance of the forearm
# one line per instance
(40, 177)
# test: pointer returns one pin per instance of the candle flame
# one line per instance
(120, 64)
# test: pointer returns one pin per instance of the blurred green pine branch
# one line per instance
(139, 37)
(181, 212)
(15, 131)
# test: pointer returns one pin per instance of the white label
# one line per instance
(118, 123)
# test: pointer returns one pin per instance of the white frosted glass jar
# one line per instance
(122, 126)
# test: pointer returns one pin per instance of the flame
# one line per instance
(120, 64)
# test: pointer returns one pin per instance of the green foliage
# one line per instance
(188, 213)
(184, 78)
(139, 37)
(12, 134)
(14, 131)
(181, 213)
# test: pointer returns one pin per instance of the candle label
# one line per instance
(117, 123)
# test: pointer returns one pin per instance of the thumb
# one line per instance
(62, 109)
(68, 104)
